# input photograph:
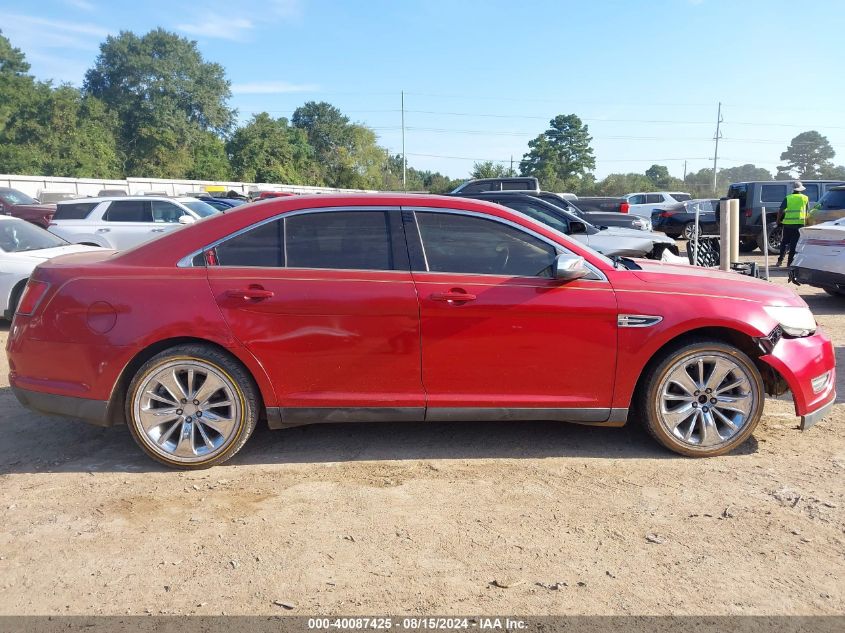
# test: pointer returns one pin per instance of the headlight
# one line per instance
(795, 321)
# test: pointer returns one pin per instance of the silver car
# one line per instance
(608, 241)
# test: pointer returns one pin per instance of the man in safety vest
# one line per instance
(792, 216)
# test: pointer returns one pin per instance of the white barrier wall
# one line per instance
(36, 185)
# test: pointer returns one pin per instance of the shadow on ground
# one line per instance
(35, 443)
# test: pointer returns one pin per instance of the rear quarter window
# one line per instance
(74, 210)
(772, 193)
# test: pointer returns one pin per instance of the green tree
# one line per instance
(808, 156)
(270, 150)
(209, 159)
(620, 184)
(561, 156)
(834, 173)
(489, 169)
(164, 93)
(659, 176)
(347, 152)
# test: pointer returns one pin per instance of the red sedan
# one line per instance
(403, 308)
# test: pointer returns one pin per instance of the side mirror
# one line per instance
(570, 267)
(186, 219)
(576, 227)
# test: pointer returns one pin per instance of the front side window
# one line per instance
(166, 212)
(466, 244)
(129, 211)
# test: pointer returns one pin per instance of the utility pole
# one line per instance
(685, 172)
(404, 160)
(716, 137)
(511, 172)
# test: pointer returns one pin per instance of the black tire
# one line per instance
(774, 236)
(651, 396)
(15, 299)
(688, 232)
(247, 403)
(747, 245)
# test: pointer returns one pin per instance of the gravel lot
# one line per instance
(531, 518)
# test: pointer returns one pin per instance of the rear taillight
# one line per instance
(624, 207)
(32, 296)
(667, 214)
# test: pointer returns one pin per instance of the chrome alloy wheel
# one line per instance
(187, 410)
(706, 399)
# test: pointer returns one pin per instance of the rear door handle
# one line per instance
(250, 294)
(456, 295)
(157, 230)
(103, 230)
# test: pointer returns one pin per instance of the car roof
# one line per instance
(99, 199)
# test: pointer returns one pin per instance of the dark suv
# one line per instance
(482, 185)
(753, 196)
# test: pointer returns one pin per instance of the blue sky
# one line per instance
(481, 78)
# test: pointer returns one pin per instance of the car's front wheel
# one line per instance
(689, 231)
(703, 399)
(192, 407)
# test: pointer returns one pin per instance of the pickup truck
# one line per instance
(19, 205)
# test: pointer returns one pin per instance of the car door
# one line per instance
(126, 223)
(325, 301)
(500, 337)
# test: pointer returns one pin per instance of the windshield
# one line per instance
(19, 236)
(201, 208)
(13, 197)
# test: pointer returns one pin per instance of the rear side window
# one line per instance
(129, 211)
(654, 198)
(680, 197)
(519, 185)
(638, 199)
(262, 246)
(465, 244)
(772, 193)
(357, 240)
(481, 187)
(738, 192)
(74, 210)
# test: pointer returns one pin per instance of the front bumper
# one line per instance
(91, 411)
(799, 361)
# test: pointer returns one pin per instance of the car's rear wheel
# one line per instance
(774, 237)
(703, 399)
(192, 407)
(689, 231)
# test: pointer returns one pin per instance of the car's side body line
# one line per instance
(286, 417)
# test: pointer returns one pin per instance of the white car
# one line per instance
(642, 204)
(22, 247)
(820, 257)
(124, 221)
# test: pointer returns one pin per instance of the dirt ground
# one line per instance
(427, 519)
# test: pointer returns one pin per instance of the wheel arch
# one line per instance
(117, 400)
(748, 344)
(14, 295)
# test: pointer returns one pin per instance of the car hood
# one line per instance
(43, 254)
(714, 282)
(35, 207)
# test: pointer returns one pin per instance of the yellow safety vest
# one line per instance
(796, 209)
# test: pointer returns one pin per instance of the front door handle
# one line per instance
(253, 293)
(455, 295)
(103, 230)
(157, 230)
